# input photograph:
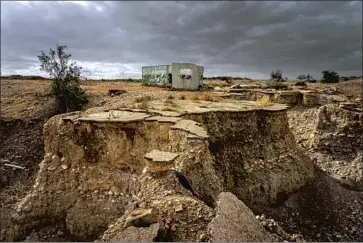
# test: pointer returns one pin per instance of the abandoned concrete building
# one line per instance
(187, 76)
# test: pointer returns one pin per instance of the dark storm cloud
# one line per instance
(228, 38)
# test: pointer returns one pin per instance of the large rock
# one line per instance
(234, 221)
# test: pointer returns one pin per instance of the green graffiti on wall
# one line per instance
(156, 75)
(155, 78)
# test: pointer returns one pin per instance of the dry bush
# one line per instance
(195, 97)
(143, 98)
(144, 104)
(168, 101)
(84, 113)
(204, 96)
(276, 85)
(218, 84)
(264, 101)
(208, 97)
(182, 96)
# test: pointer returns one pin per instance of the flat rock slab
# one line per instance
(115, 116)
(164, 119)
(200, 106)
(161, 156)
(191, 127)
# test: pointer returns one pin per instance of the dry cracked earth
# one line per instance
(261, 172)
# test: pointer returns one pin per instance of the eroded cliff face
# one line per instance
(92, 170)
(255, 154)
(333, 137)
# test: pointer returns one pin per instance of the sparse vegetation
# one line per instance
(218, 84)
(264, 101)
(301, 77)
(301, 84)
(276, 82)
(182, 96)
(168, 101)
(306, 78)
(39, 95)
(276, 85)
(66, 90)
(143, 98)
(330, 77)
(142, 102)
(204, 96)
(143, 105)
(207, 97)
(277, 75)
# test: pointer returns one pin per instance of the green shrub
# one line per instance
(330, 77)
(66, 90)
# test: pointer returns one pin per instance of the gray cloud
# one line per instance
(227, 38)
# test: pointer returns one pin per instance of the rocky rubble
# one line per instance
(333, 137)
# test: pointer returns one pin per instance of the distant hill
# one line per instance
(21, 77)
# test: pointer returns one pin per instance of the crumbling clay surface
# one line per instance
(164, 201)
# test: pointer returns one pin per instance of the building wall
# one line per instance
(185, 76)
(156, 75)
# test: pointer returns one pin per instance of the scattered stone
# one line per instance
(52, 167)
(179, 208)
(203, 237)
(140, 218)
(115, 190)
(173, 227)
(55, 159)
(48, 157)
(64, 166)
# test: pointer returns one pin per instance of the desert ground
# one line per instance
(308, 156)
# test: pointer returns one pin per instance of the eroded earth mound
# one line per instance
(99, 178)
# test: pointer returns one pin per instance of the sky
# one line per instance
(245, 39)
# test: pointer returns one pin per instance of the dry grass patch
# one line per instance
(143, 98)
(169, 101)
(217, 84)
(208, 97)
(143, 102)
(143, 105)
(182, 96)
(264, 101)
(204, 96)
